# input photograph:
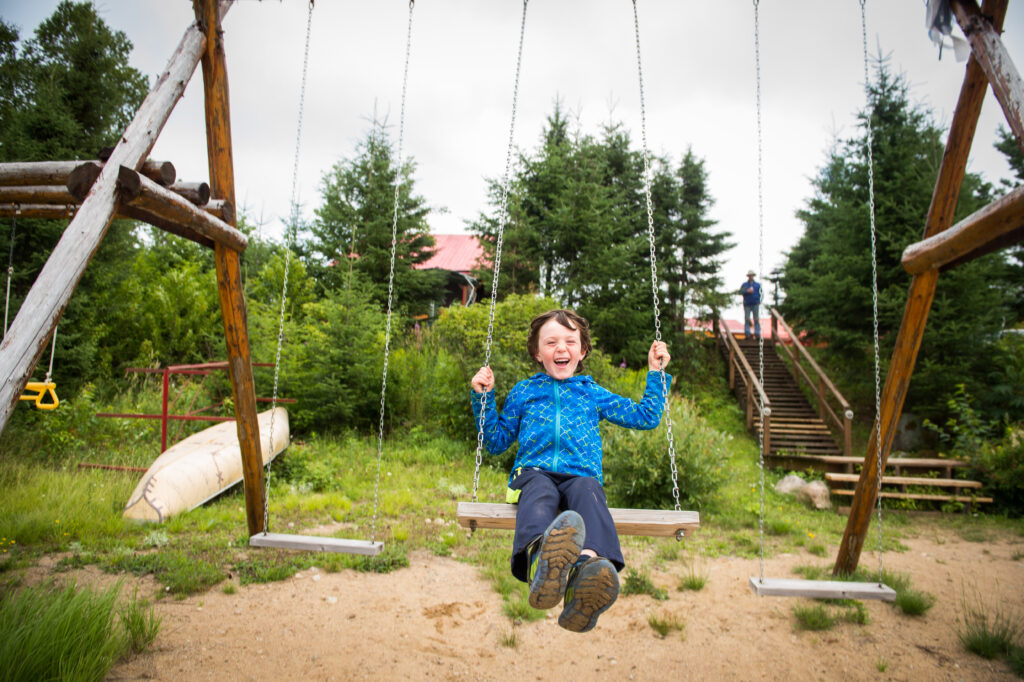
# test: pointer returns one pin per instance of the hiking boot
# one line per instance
(551, 558)
(593, 588)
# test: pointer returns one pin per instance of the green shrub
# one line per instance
(637, 468)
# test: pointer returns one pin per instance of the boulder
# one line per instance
(790, 485)
(816, 495)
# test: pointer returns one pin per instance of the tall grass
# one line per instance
(988, 630)
(51, 633)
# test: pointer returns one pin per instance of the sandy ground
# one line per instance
(438, 619)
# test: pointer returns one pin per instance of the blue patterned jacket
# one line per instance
(556, 422)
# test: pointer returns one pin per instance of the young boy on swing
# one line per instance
(565, 542)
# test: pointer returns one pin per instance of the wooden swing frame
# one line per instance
(945, 245)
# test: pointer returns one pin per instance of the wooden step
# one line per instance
(908, 480)
(919, 496)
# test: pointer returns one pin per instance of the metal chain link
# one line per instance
(391, 274)
(10, 263)
(874, 285)
(760, 265)
(502, 219)
(654, 262)
(290, 236)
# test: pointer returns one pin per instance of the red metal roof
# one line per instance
(456, 252)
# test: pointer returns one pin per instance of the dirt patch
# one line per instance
(438, 619)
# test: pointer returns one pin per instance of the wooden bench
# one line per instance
(653, 522)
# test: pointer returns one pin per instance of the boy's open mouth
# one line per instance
(562, 362)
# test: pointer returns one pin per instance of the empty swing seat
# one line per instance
(312, 543)
(820, 589)
(651, 522)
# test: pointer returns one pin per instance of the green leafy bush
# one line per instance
(637, 468)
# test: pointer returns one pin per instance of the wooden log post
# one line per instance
(988, 49)
(229, 279)
(919, 300)
(196, 192)
(36, 194)
(30, 332)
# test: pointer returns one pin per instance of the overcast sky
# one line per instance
(699, 83)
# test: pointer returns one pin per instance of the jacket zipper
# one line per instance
(558, 424)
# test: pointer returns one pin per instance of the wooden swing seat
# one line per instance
(313, 543)
(652, 522)
(820, 589)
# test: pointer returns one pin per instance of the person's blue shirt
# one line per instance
(751, 297)
(556, 421)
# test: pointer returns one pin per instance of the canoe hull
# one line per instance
(199, 468)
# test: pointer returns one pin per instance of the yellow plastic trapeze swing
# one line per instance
(39, 391)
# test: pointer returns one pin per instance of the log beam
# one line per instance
(36, 194)
(140, 192)
(136, 213)
(968, 237)
(196, 192)
(38, 315)
(45, 211)
(229, 280)
(919, 301)
(57, 172)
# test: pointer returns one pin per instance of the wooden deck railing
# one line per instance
(817, 381)
(740, 368)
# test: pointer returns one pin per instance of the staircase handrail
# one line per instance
(819, 387)
(751, 380)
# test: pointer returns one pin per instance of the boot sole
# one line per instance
(596, 589)
(561, 546)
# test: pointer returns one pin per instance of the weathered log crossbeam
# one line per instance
(56, 201)
(995, 226)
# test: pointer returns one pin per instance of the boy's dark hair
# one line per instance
(567, 319)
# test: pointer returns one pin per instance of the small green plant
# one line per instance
(987, 630)
(1015, 659)
(856, 613)
(640, 583)
(519, 610)
(510, 639)
(914, 602)
(815, 617)
(881, 664)
(817, 549)
(229, 588)
(665, 624)
(140, 624)
(693, 579)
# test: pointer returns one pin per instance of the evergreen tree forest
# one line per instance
(578, 230)
(827, 275)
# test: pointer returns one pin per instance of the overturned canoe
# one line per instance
(199, 468)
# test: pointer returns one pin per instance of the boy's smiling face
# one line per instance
(558, 349)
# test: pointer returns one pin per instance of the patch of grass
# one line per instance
(669, 551)
(817, 549)
(510, 639)
(776, 526)
(988, 630)
(229, 588)
(519, 610)
(181, 573)
(881, 664)
(856, 613)
(815, 617)
(974, 534)
(140, 624)
(1015, 659)
(812, 572)
(50, 633)
(638, 582)
(914, 602)
(664, 624)
(694, 578)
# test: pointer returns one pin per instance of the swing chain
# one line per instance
(290, 235)
(502, 220)
(874, 286)
(10, 263)
(670, 437)
(391, 275)
(760, 267)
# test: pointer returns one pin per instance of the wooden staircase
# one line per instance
(796, 428)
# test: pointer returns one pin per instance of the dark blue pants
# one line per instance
(544, 496)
